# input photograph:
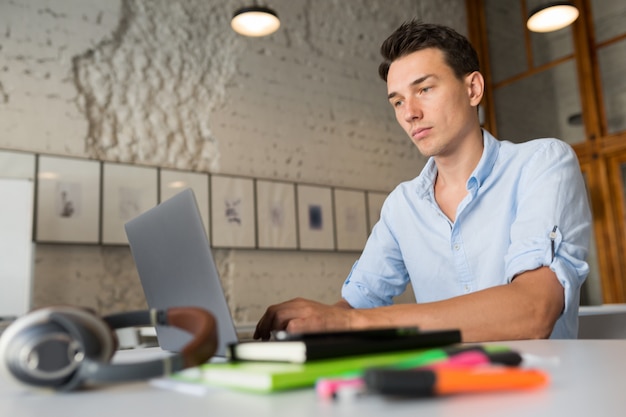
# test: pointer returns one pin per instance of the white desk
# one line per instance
(590, 381)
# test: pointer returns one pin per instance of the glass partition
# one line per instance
(612, 63)
(546, 104)
(505, 34)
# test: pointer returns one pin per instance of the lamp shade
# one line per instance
(552, 16)
(255, 21)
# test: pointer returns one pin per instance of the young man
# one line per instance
(492, 235)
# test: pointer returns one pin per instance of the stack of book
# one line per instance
(298, 361)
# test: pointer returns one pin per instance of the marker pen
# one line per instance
(433, 359)
(450, 380)
(463, 359)
(494, 354)
(331, 388)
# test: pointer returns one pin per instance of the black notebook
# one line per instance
(310, 347)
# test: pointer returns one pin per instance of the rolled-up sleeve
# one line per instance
(552, 224)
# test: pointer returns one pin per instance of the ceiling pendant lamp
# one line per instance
(255, 21)
(552, 16)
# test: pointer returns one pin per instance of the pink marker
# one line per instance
(327, 388)
(461, 360)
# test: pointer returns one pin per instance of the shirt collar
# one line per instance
(491, 146)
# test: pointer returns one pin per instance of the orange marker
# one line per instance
(446, 381)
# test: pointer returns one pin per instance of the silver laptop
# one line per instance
(176, 267)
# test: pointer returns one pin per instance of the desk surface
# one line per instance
(589, 381)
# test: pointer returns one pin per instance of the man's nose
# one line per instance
(412, 110)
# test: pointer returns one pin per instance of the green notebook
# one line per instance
(266, 377)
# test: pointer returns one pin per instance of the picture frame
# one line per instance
(276, 215)
(68, 200)
(316, 229)
(127, 191)
(375, 201)
(232, 212)
(350, 219)
(171, 182)
(17, 165)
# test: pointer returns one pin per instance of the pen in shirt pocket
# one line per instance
(552, 236)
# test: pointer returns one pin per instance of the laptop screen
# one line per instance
(176, 267)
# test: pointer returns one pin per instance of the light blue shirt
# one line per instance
(526, 207)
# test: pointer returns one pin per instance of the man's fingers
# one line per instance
(294, 315)
(276, 317)
(264, 326)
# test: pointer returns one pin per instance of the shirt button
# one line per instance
(466, 288)
(456, 246)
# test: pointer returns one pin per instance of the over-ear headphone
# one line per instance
(64, 348)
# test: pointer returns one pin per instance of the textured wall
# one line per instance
(167, 83)
(148, 89)
(39, 100)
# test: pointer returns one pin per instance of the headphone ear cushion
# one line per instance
(87, 331)
(89, 344)
(41, 355)
(45, 348)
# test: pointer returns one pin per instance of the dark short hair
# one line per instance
(414, 36)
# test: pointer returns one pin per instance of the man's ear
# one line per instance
(475, 87)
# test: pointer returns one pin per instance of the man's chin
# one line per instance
(424, 150)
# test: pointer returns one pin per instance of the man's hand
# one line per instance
(527, 308)
(301, 315)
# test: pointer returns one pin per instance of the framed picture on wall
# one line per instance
(350, 219)
(172, 182)
(232, 212)
(315, 218)
(20, 165)
(68, 200)
(375, 202)
(276, 215)
(127, 191)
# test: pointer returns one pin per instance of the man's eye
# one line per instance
(425, 89)
(397, 103)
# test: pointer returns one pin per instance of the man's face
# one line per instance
(432, 105)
